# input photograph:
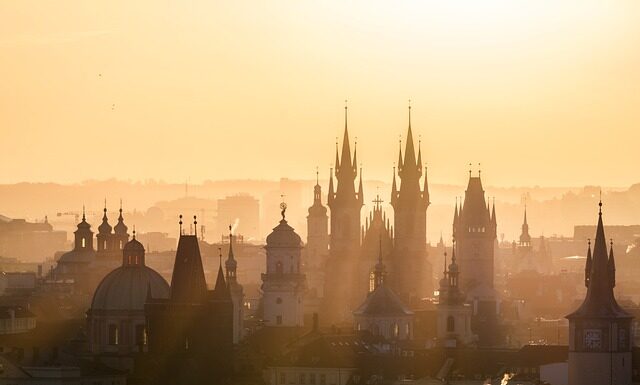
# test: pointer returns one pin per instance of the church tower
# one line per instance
(283, 284)
(120, 234)
(412, 272)
(454, 315)
(237, 293)
(345, 205)
(474, 230)
(104, 236)
(83, 235)
(317, 248)
(524, 250)
(600, 330)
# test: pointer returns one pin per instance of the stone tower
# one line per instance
(600, 330)
(345, 205)
(317, 248)
(412, 278)
(283, 284)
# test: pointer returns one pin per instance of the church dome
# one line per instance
(84, 224)
(105, 227)
(120, 227)
(283, 235)
(133, 247)
(125, 288)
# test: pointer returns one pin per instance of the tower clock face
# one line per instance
(593, 339)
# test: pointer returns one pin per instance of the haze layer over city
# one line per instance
(327, 193)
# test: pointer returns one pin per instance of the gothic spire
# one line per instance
(587, 266)
(394, 188)
(612, 267)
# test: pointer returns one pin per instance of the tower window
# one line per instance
(84, 242)
(451, 324)
(113, 335)
(141, 335)
(395, 330)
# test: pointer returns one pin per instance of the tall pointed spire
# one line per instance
(425, 188)
(588, 265)
(345, 158)
(394, 188)
(600, 301)
(612, 267)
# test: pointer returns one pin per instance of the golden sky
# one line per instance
(539, 92)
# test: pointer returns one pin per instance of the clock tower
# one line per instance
(600, 330)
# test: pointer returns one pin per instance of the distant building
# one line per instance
(242, 211)
(283, 283)
(29, 242)
(600, 334)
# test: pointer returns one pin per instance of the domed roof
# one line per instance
(105, 227)
(120, 227)
(283, 235)
(125, 288)
(133, 246)
(84, 224)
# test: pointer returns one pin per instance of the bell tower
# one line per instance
(600, 330)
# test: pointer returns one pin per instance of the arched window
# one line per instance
(279, 267)
(104, 245)
(84, 242)
(141, 335)
(451, 324)
(113, 336)
(395, 330)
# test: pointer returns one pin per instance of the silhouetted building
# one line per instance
(383, 313)
(410, 269)
(454, 315)
(236, 291)
(284, 283)
(376, 231)
(190, 334)
(74, 264)
(345, 205)
(28, 241)
(116, 320)
(317, 247)
(110, 240)
(474, 230)
(600, 330)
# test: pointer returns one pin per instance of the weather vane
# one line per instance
(283, 206)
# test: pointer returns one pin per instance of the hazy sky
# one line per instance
(540, 92)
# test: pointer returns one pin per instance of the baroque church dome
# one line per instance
(125, 288)
(283, 235)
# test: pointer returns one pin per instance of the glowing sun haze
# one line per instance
(540, 92)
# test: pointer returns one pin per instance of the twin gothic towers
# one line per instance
(346, 267)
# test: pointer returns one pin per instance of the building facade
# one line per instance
(283, 283)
